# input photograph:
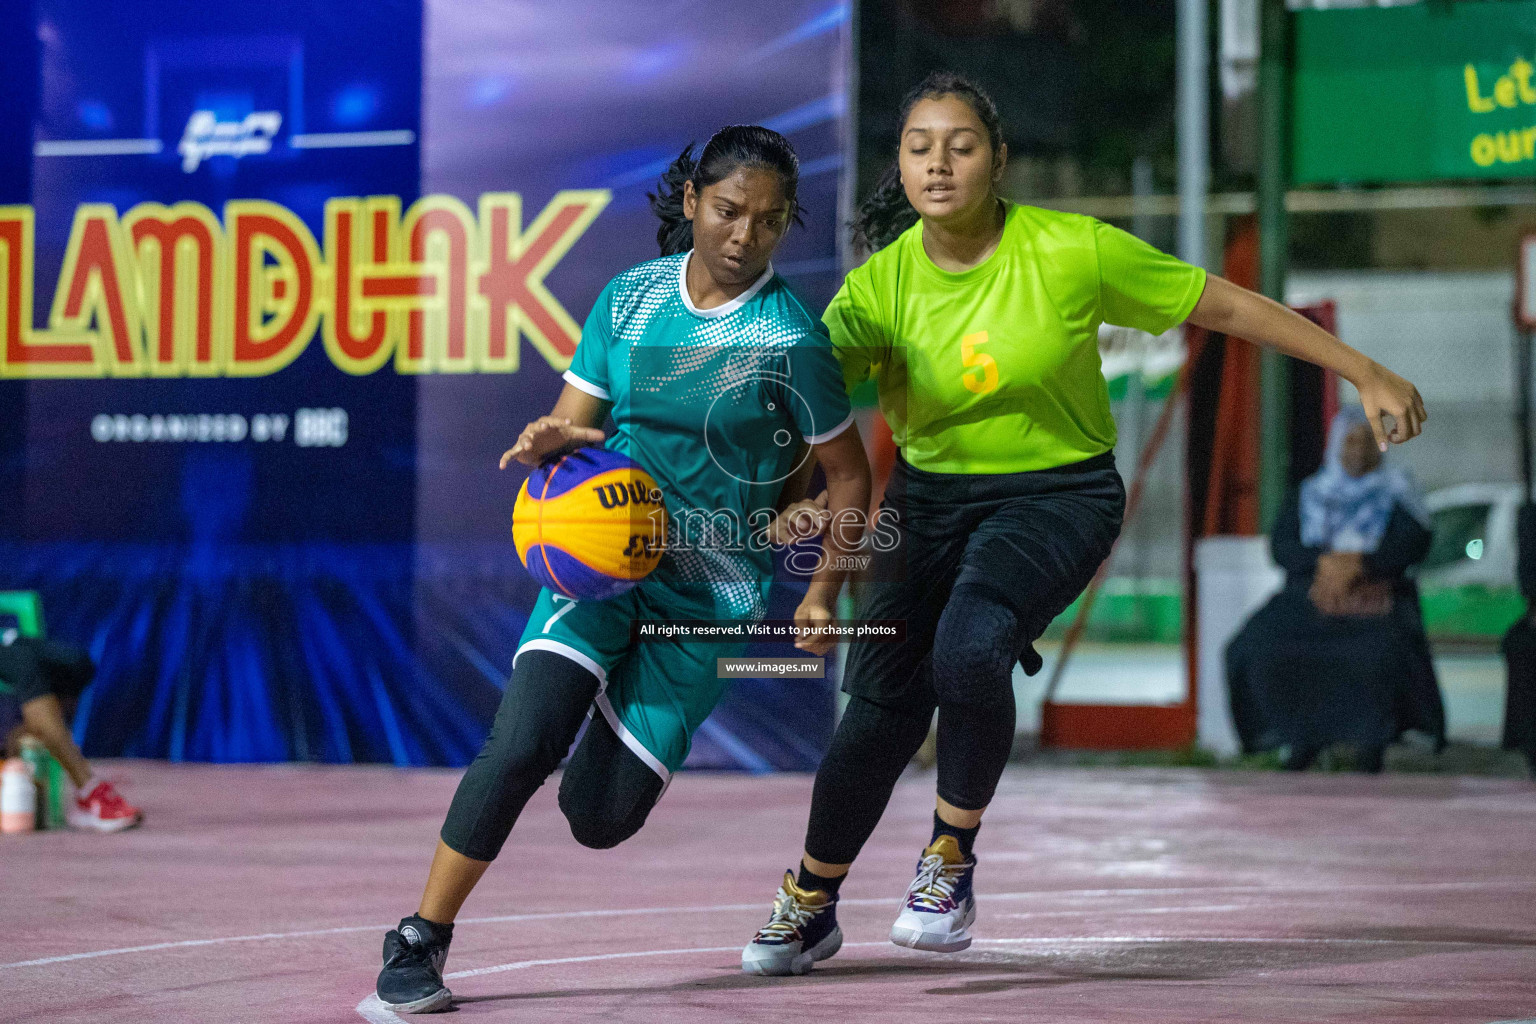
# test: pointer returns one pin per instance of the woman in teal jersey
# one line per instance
(718, 380)
(979, 319)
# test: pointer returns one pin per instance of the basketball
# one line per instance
(590, 524)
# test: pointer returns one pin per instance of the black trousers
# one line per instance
(33, 668)
(982, 564)
(606, 792)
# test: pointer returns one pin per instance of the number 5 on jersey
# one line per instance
(977, 361)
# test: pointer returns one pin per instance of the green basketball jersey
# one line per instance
(714, 404)
(996, 369)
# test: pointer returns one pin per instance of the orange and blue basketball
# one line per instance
(590, 524)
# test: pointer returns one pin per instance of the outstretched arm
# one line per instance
(1230, 309)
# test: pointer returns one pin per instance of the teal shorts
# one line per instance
(654, 694)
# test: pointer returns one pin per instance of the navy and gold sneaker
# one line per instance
(412, 978)
(802, 930)
(939, 907)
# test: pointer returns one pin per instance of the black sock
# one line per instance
(811, 880)
(966, 837)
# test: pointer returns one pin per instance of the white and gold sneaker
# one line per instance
(802, 930)
(939, 907)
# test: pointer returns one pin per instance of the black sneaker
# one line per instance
(412, 978)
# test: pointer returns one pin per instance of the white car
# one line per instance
(1474, 527)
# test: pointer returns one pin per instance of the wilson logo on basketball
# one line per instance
(620, 495)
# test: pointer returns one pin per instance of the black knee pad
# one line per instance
(974, 650)
(606, 792)
(597, 827)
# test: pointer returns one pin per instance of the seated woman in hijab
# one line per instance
(1340, 655)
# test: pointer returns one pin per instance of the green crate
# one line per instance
(28, 609)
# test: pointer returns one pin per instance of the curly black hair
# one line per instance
(737, 145)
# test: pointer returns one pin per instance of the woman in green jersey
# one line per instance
(979, 320)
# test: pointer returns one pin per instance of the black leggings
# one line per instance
(606, 791)
(972, 679)
(983, 564)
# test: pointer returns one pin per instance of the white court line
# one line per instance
(373, 1010)
(1211, 908)
(729, 907)
(554, 915)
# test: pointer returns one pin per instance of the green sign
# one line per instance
(1432, 91)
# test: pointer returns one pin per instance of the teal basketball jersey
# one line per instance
(714, 404)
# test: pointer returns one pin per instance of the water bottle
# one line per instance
(18, 797)
(51, 788)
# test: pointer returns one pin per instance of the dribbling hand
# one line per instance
(546, 436)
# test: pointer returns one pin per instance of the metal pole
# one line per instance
(1194, 144)
(1142, 188)
(1274, 157)
(1194, 126)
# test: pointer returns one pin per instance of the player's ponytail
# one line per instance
(676, 231)
(732, 147)
(886, 213)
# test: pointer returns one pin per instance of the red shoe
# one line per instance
(102, 810)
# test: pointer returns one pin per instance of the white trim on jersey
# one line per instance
(565, 650)
(632, 741)
(603, 704)
(830, 434)
(725, 308)
(582, 384)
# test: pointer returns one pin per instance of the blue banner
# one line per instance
(291, 278)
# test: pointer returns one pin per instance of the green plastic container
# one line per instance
(51, 782)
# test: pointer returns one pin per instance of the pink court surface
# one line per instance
(262, 894)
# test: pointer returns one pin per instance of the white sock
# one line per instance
(90, 784)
